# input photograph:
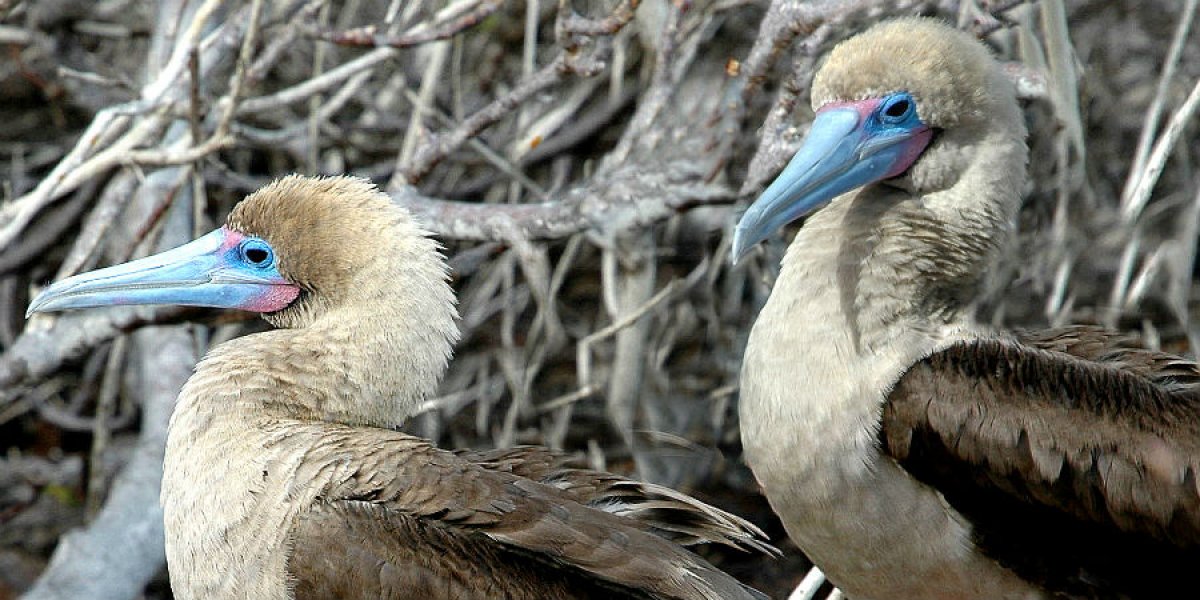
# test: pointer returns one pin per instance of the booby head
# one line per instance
(332, 257)
(292, 251)
(897, 104)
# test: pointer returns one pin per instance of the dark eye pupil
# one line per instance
(256, 255)
(897, 109)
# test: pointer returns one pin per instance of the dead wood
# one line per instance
(583, 162)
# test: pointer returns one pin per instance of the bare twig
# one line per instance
(44, 232)
(316, 85)
(583, 355)
(1150, 123)
(437, 54)
(996, 10)
(1133, 203)
(631, 285)
(454, 20)
(574, 24)
(83, 563)
(661, 88)
(630, 199)
(441, 145)
(106, 402)
(115, 132)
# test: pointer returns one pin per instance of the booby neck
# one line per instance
(879, 278)
(353, 347)
(240, 459)
(893, 257)
(345, 367)
(870, 285)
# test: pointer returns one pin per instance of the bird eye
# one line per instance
(896, 108)
(258, 253)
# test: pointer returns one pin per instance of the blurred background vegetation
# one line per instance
(583, 162)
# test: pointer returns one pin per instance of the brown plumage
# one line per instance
(1075, 458)
(910, 450)
(283, 477)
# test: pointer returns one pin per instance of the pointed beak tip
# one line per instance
(35, 305)
(738, 252)
(739, 248)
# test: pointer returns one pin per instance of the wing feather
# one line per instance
(424, 517)
(662, 510)
(1074, 454)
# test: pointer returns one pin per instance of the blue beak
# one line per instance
(847, 147)
(212, 271)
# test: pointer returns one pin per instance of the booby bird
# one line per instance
(910, 451)
(283, 476)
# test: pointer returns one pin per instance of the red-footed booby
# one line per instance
(283, 477)
(910, 451)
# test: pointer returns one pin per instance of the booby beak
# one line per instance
(223, 269)
(849, 145)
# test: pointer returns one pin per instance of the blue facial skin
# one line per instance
(897, 111)
(223, 269)
(849, 145)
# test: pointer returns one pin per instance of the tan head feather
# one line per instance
(342, 241)
(949, 73)
(372, 331)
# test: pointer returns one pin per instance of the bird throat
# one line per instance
(235, 467)
(873, 283)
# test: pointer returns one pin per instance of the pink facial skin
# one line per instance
(864, 108)
(911, 151)
(911, 148)
(232, 239)
(275, 298)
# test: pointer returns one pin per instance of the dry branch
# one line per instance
(630, 199)
(111, 131)
(84, 563)
(582, 162)
(457, 18)
(41, 350)
(563, 65)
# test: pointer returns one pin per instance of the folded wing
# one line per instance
(432, 524)
(1070, 442)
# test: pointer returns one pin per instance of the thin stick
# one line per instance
(1150, 124)
(1133, 204)
(583, 350)
(315, 85)
(106, 401)
(429, 83)
(443, 144)
(454, 19)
